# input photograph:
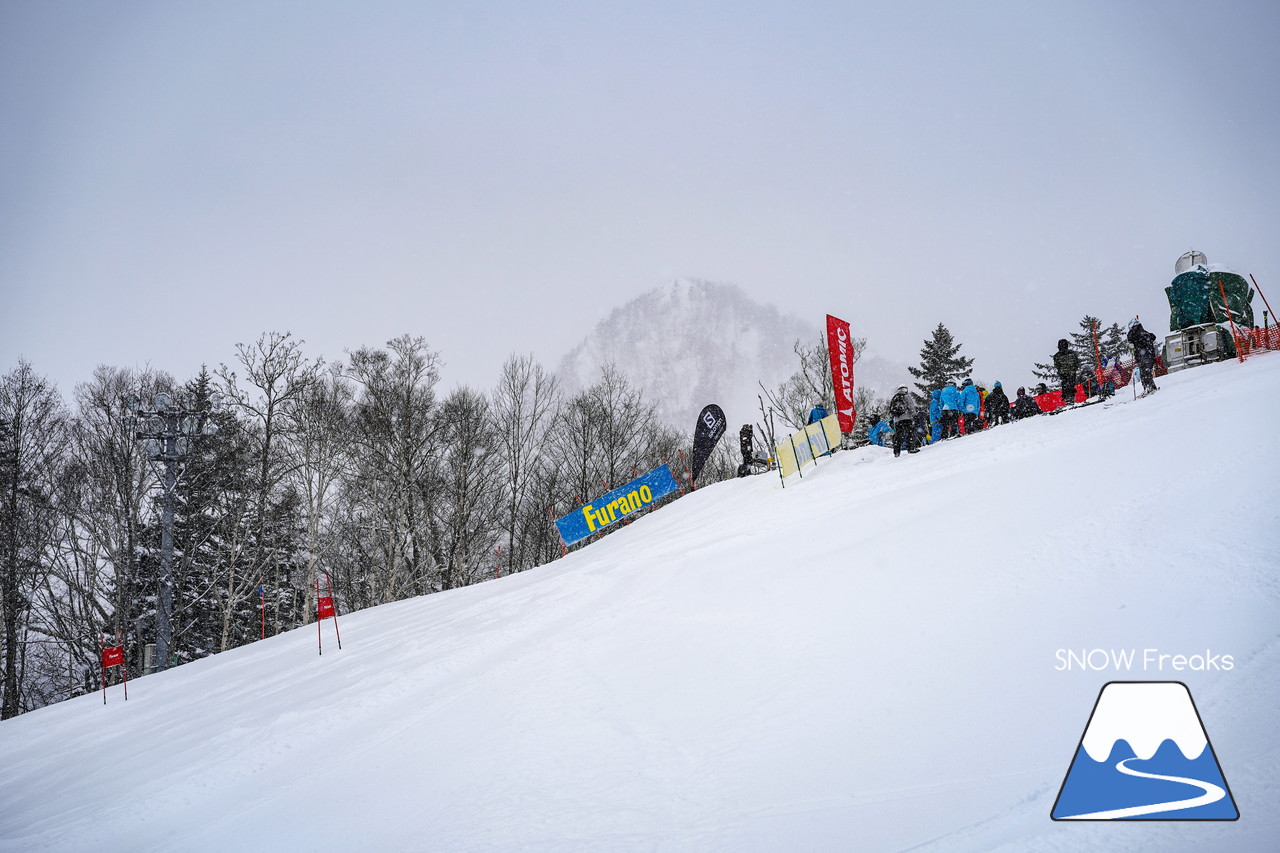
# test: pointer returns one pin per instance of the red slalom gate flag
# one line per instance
(325, 610)
(840, 346)
(113, 656)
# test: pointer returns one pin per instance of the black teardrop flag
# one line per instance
(706, 432)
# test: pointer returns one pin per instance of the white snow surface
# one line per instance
(862, 661)
(1144, 715)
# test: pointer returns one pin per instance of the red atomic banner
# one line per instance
(841, 348)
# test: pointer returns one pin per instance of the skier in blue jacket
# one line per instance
(970, 406)
(949, 397)
(878, 434)
(935, 415)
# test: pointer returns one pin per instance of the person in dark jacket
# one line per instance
(902, 411)
(1025, 406)
(1067, 364)
(996, 406)
(1144, 351)
(970, 406)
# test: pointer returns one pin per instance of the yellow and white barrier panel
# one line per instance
(802, 448)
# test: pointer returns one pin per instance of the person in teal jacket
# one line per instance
(935, 415)
(970, 406)
(949, 397)
(880, 433)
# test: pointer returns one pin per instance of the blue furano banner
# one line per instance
(621, 502)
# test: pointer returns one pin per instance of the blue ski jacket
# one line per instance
(950, 398)
(970, 399)
(935, 404)
(876, 434)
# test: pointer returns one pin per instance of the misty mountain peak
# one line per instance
(689, 343)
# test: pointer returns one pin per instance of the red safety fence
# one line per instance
(1254, 341)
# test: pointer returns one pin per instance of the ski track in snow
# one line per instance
(863, 660)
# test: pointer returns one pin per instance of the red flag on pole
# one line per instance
(325, 610)
(113, 656)
(840, 347)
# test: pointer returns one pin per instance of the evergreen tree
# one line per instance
(1112, 341)
(940, 362)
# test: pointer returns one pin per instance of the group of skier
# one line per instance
(962, 408)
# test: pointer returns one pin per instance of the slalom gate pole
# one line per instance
(102, 647)
(1264, 302)
(124, 667)
(329, 585)
(1235, 339)
(497, 565)
(799, 467)
(262, 605)
(319, 639)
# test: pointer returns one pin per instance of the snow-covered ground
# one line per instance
(864, 661)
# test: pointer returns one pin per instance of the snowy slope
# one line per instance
(864, 661)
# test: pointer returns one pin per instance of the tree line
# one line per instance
(361, 468)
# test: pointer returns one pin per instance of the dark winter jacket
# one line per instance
(1065, 361)
(950, 398)
(1144, 345)
(970, 399)
(996, 403)
(902, 406)
(1025, 407)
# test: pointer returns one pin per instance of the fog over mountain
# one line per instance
(695, 342)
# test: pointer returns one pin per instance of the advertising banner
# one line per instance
(706, 432)
(840, 347)
(803, 447)
(615, 505)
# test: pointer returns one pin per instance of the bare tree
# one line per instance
(393, 433)
(523, 409)
(318, 443)
(32, 432)
(276, 380)
(94, 583)
(463, 510)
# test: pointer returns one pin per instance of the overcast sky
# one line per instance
(177, 177)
